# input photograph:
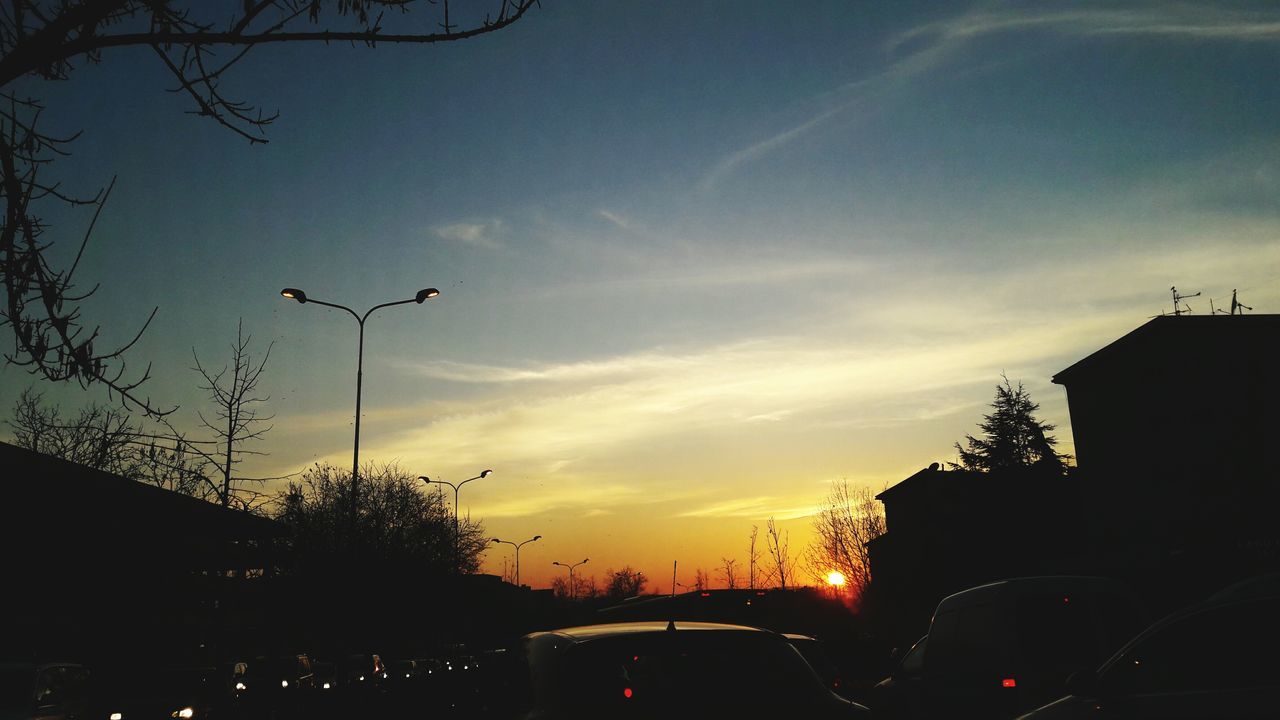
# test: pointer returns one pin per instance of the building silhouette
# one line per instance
(1174, 490)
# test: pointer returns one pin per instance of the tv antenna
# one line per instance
(1237, 307)
(1178, 305)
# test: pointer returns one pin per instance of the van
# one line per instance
(1000, 649)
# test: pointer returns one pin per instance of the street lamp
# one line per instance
(457, 551)
(421, 297)
(573, 589)
(517, 546)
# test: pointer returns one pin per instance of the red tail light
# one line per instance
(1008, 682)
(626, 692)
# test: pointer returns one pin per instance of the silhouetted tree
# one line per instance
(849, 519)
(110, 440)
(1012, 437)
(399, 524)
(779, 545)
(753, 558)
(729, 573)
(235, 410)
(624, 583)
(48, 39)
(701, 580)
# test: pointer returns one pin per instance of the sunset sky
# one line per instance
(697, 260)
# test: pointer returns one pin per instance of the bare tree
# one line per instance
(848, 521)
(232, 390)
(779, 544)
(108, 439)
(701, 580)
(729, 573)
(48, 39)
(753, 558)
(399, 527)
(624, 583)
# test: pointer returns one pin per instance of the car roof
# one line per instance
(593, 632)
(1040, 583)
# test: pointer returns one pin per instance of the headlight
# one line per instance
(185, 713)
(325, 686)
(116, 716)
(284, 683)
(239, 686)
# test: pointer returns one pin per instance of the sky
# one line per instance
(697, 260)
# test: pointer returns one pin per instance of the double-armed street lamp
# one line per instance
(421, 297)
(517, 546)
(573, 589)
(457, 548)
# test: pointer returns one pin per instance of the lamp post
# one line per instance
(517, 546)
(573, 589)
(421, 297)
(457, 550)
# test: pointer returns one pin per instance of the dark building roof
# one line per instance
(1168, 337)
(45, 494)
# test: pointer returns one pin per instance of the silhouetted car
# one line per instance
(1000, 649)
(674, 670)
(47, 691)
(149, 694)
(1214, 660)
(900, 696)
(814, 653)
(273, 686)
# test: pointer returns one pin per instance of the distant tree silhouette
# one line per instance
(729, 573)
(236, 419)
(399, 524)
(584, 587)
(111, 440)
(753, 558)
(849, 519)
(778, 542)
(624, 583)
(1012, 437)
(48, 39)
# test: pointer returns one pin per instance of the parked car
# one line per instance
(814, 653)
(158, 694)
(900, 696)
(1214, 660)
(1000, 649)
(673, 670)
(47, 691)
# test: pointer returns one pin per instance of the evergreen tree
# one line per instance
(1012, 437)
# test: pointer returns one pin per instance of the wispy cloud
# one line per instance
(481, 234)
(938, 44)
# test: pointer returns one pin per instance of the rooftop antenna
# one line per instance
(1236, 305)
(1178, 304)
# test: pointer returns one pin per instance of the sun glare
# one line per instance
(835, 578)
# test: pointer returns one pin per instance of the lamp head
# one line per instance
(496, 540)
(485, 473)
(537, 537)
(425, 294)
(424, 478)
(294, 294)
(584, 560)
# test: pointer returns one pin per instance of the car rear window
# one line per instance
(694, 671)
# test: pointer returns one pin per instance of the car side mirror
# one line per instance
(1083, 683)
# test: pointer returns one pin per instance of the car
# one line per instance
(141, 693)
(899, 696)
(48, 691)
(1213, 660)
(673, 670)
(814, 653)
(1001, 649)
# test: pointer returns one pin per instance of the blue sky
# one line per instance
(697, 260)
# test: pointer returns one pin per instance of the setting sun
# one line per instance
(835, 578)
